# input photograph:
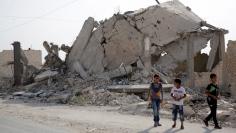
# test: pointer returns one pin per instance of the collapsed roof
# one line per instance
(120, 40)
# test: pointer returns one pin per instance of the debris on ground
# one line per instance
(111, 63)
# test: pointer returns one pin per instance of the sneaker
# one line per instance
(205, 122)
(218, 127)
(182, 127)
(174, 125)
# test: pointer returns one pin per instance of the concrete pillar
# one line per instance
(190, 62)
(213, 53)
(222, 58)
(147, 55)
(18, 66)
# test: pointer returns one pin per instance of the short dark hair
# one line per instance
(156, 76)
(212, 76)
(178, 81)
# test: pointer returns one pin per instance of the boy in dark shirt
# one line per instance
(155, 96)
(212, 92)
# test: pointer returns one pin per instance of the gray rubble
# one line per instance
(113, 62)
(143, 39)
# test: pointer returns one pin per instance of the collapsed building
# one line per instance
(112, 63)
(166, 37)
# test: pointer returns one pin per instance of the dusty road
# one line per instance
(22, 118)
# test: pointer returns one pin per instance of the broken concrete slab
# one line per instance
(81, 41)
(214, 48)
(124, 46)
(45, 75)
(136, 88)
(93, 55)
(77, 67)
(19, 93)
(121, 71)
(157, 22)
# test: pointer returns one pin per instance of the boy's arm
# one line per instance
(162, 96)
(172, 95)
(210, 95)
(183, 97)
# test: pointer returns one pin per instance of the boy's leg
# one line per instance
(211, 113)
(181, 115)
(214, 112)
(209, 101)
(158, 112)
(174, 115)
(154, 107)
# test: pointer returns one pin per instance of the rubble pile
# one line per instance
(103, 97)
(71, 89)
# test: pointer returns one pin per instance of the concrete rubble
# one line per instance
(45, 75)
(143, 39)
(112, 63)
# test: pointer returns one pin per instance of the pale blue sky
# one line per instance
(59, 21)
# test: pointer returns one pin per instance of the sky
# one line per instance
(59, 21)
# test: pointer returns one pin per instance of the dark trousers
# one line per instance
(156, 109)
(213, 107)
(178, 109)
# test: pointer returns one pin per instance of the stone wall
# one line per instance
(34, 57)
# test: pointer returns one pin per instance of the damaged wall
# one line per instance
(174, 33)
(202, 79)
(6, 56)
(230, 67)
(120, 39)
(177, 50)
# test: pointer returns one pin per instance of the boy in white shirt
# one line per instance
(178, 94)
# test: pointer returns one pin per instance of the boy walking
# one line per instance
(155, 96)
(178, 94)
(212, 92)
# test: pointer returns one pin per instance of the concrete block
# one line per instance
(93, 55)
(125, 46)
(163, 23)
(121, 71)
(77, 67)
(81, 41)
(45, 75)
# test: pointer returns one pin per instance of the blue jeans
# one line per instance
(156, 109)
(178, 109)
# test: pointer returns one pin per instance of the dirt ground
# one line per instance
(83, 119)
